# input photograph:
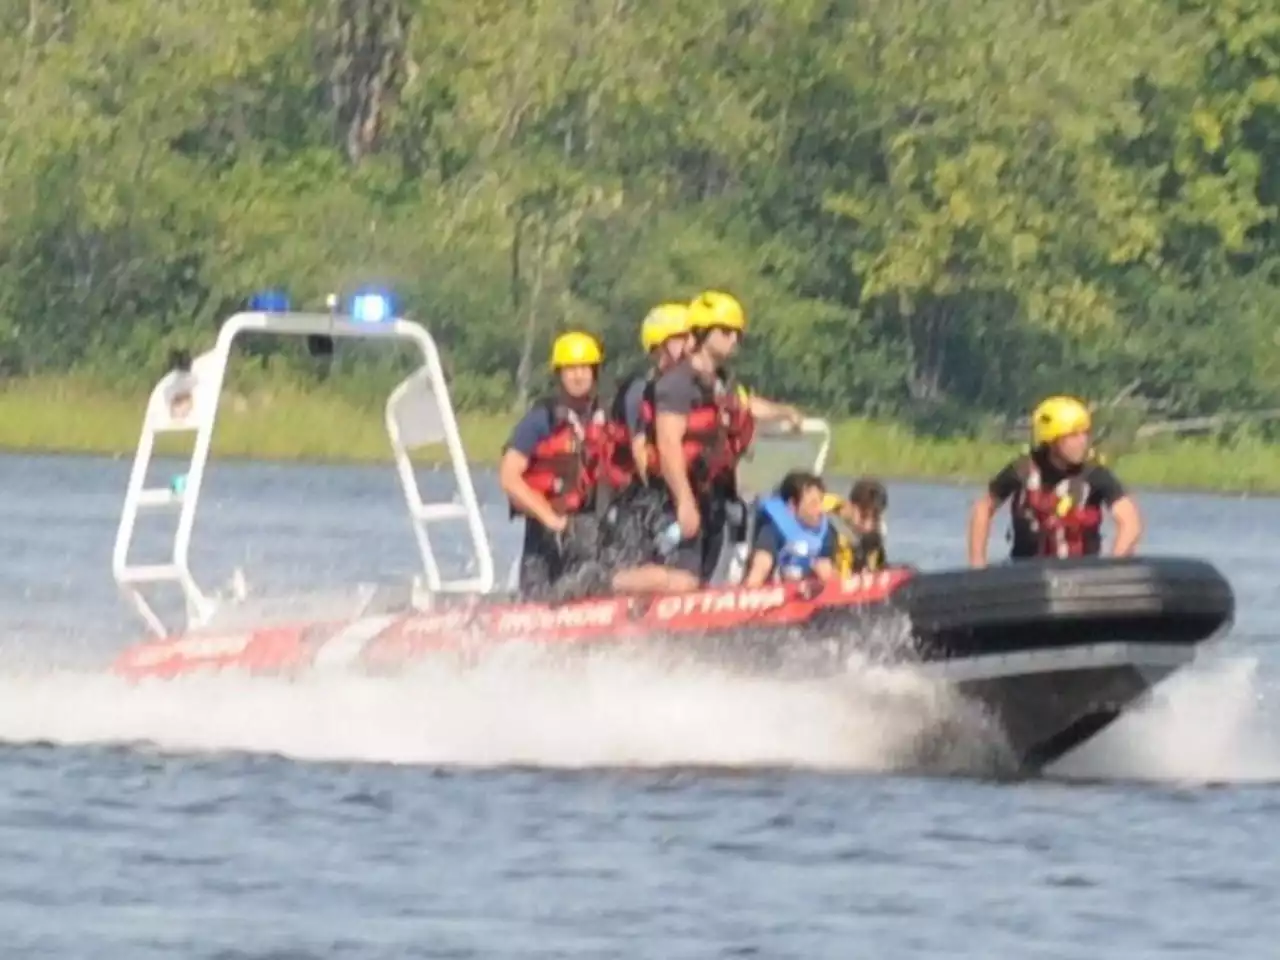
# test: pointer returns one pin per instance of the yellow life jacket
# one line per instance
(855, 552)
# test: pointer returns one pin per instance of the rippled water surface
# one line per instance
(611, 808)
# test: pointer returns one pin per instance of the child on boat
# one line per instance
(860, 526)
(795, 539)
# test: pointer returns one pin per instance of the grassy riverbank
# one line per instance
(287, 424)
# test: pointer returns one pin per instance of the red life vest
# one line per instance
(567, 465)
(1059, 519)
(717, 434)
(620, 468)
(617, 465)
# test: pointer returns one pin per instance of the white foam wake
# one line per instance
(526, 707)
(1210, 723)
(520, 708)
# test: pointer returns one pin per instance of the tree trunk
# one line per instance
(366, 69)
(532, 311)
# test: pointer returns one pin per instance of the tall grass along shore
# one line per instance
(286, 423)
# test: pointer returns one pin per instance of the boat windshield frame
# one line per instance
(418, 414)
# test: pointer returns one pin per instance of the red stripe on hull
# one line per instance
(596, 621)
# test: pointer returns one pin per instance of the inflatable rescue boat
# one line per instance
(1052, 651)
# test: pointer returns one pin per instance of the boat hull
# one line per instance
(1052, 652)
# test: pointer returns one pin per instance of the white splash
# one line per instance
(1208, 724)
(527, 706)
(520, 708)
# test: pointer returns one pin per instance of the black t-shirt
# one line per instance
(1103, 488)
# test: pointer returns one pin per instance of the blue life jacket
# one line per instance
(800, 546)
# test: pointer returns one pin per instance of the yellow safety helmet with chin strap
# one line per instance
(663, 322)
(576, 349)
(715, 309)
(1058, 417)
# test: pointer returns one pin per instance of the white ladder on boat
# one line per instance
(419, 413)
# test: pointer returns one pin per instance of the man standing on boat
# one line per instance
(628, 529)
(698, 423)
(552, 466)
(1058, 489)
(663, 335)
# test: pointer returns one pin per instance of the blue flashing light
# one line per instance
(270, 301)
(372, 307)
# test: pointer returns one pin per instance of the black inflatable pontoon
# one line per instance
(1053, 650)
(1057, 650)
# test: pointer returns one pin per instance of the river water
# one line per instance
(525, 809)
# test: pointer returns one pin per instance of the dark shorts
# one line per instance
(548, 561)
(640, 514)
(631, 524)
(699, 554)
(688, 556)
(724, 522)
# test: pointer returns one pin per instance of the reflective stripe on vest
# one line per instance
(1059, 518)
(620, 465)
(717, 434)
(564, 466)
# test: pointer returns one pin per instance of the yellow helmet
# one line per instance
(662, 323)
(1058, 417)
(714, 309)
(575, 349)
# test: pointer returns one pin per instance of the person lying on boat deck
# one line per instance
(696, 427)
(860, 527)
(795, 538)
(1057, 491)
(551, 467)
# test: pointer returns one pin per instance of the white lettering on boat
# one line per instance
(433, 623)
(193, 648)
(573, 616)
(730, 601)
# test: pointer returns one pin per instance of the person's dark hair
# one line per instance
(869, 496)
(795, 483)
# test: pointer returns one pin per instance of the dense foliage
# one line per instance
(930, 208)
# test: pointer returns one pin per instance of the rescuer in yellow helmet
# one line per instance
(1057, 491)
(664, 333)
(712, 311)
(552, 466)
(630, 522)
(696, 425)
